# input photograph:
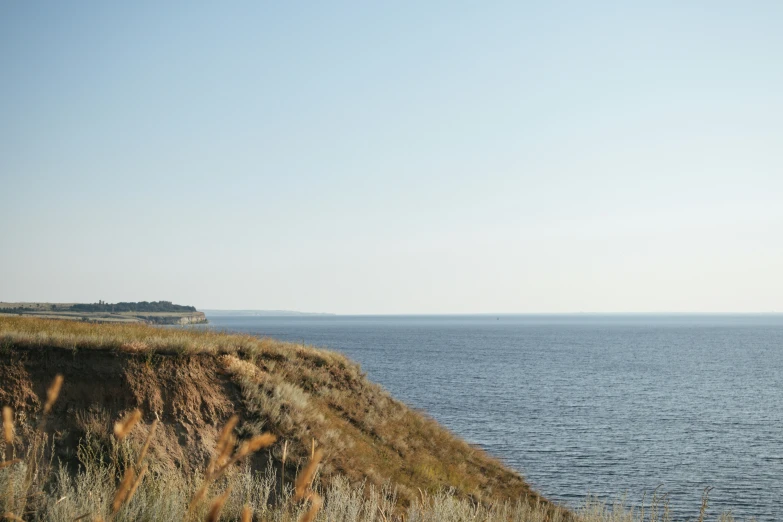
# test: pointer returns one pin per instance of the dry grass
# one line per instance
(166, 498)
(28, 332)
(91, 494)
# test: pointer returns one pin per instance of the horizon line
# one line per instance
(297, 312)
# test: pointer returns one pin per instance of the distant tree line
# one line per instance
(19, 310)
(141, 306)
(29, 307)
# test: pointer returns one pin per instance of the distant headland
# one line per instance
(150, 312)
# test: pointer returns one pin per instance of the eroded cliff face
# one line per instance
(306, 397)
(182, 319)
(188, 394)
(194, 318)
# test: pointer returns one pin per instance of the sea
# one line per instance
(603, 406)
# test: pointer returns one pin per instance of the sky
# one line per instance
(394, 157)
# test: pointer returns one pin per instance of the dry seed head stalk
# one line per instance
(282, 468)
(225, 454)
(255, 444)
(306, 475)
(137, 482)
(143, 452)
(217, 505)
(246, 449)
(52, 393)
(202, 491)
(223, 448)
(122, 428)
(9, 463)
(122, 490)
(224, 445)
(8, 425)
(315, 506)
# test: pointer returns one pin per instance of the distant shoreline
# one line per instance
(144, 312)
(264, 313)
(285, 313)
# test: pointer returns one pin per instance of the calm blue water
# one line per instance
(583, 404)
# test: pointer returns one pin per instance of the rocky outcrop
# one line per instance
(181, 319)
(194, 318)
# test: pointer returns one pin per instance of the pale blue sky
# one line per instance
(404, 157)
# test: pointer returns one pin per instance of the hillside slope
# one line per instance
(194, 380)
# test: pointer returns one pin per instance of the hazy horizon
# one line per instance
(282, 313)
(394, 159)
(489, 314)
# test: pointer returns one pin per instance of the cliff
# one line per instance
(193, 381)
(173, 318)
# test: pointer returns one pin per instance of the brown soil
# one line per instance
(189, 394)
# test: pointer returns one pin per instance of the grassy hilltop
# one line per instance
(193, 398)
